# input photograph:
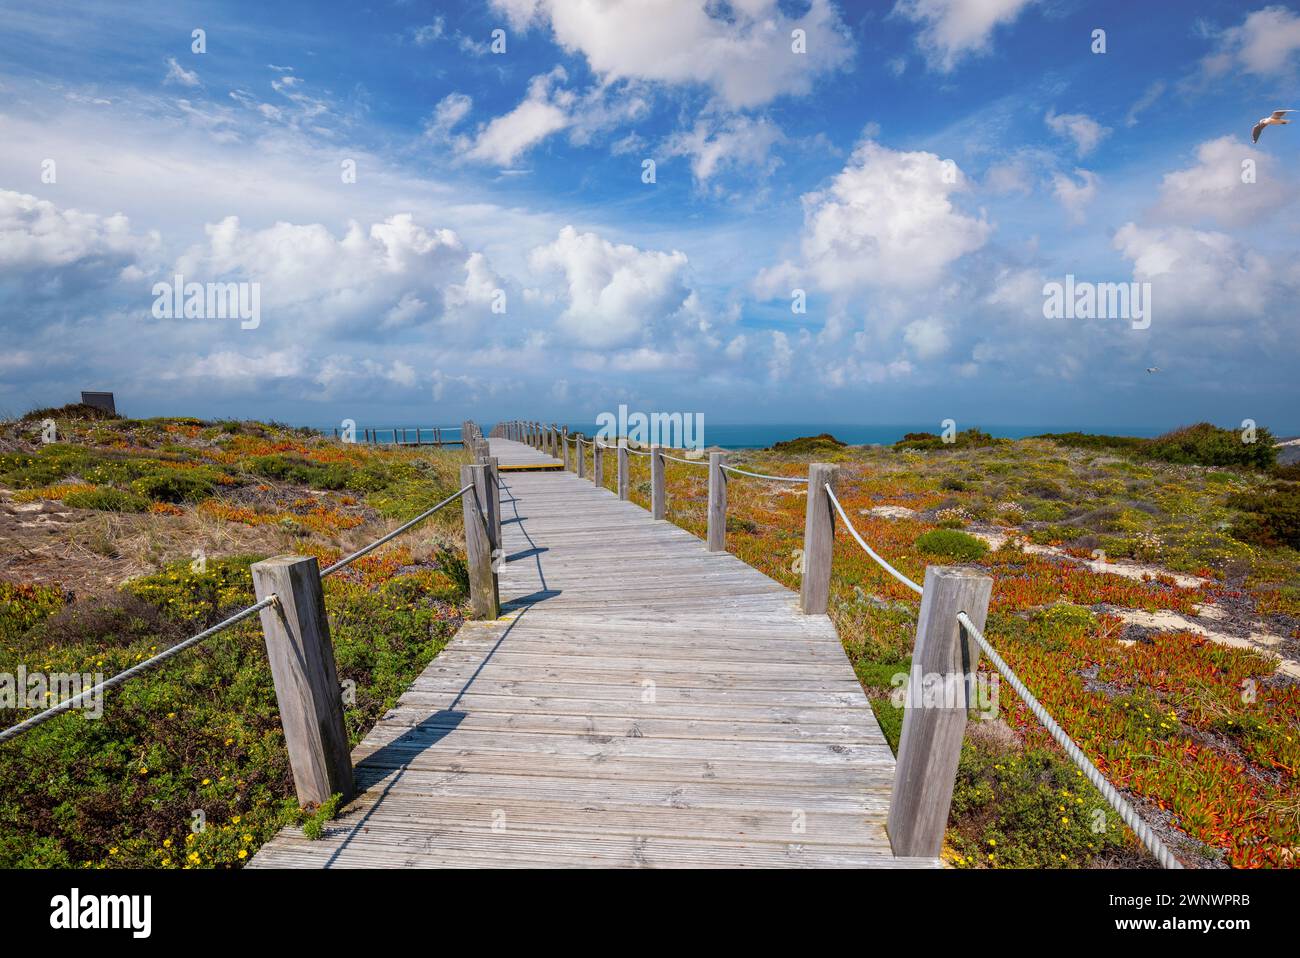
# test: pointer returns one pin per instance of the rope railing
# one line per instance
(113, 681)
(870, 551)
(759, 475)
(366, 550)
(689, 462)
(135, 670)
(1145, 834)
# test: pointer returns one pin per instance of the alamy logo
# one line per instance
(75, 910)
(673, 430)
(1084, 300)
(181, 300)
(38, 690)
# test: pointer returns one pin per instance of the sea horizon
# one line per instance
(764, 435)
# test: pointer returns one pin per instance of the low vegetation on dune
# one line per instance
(1148, 591)
(123, 537)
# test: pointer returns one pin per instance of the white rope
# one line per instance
(1126, 811)
(759, 475)
(343, 563)
(132, 672)
(689, 462)
(637, 452)
(870, 551)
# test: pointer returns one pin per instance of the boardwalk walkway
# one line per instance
(641, 702)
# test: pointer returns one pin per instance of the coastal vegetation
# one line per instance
(124, 537)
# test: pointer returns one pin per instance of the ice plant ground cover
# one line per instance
(1121, 597)
(127, 536)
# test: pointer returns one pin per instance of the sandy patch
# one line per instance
(1262, 642)
(1129, 570)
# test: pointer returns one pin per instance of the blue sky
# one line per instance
(919, 172)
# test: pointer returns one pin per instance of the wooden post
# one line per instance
(478, 544)
(582, 456)
(623, 490)
(717, 503)
(658, 499)
(818, 540)
(564, 442)
(597, 463)
(297, 634)
(934, 718)
(494, 500)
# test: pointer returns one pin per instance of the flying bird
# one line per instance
(1153, 369)
(1279, 116)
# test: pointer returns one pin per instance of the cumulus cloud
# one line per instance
(57, 255)
(887, 219)
(1079, 127)
(952, 30)
(614, 292)
(1201, 275)
(1213, 189)
(396, 270)
(745, 57)
(1264, 44)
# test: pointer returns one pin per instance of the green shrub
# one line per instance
(951, 544)
(106, 499)
(1207, 445)
(175, 486)
(45, 467)
(804, 445)
(1085, 440)
(334, 475)
(966, 439)
(1270, 517)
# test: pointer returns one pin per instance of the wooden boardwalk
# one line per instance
(641, 702)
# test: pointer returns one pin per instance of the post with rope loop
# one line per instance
(658, 500)
(717, 535)
(297, 634)
(818, 540)
(939, 693)
(564, 444)
(597, 462)
(623, 481)
(478, 544)
(582, 456)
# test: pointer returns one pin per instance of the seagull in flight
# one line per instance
(1153, 369)
(1278, 116)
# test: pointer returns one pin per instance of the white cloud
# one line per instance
(1150, 96)
(396, 270)
(951, 30)
(542, 112)
(614, 292)
(1079, 127)
(228, 364)
(1201, 275)
(739, 142)
(927, 337)
(745, 58)
(886, 220)
(1075, 196)
(1264, 44)
(178, 74)
(1213, 188)
(778, 364)
(36, 234)
(429, 32)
